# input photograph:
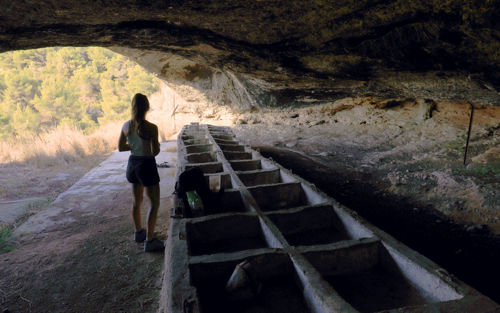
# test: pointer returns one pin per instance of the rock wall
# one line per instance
(286, 50)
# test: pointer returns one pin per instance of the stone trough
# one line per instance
(308, 252)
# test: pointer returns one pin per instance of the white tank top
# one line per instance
(135, 141)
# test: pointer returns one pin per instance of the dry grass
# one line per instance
(64, 145)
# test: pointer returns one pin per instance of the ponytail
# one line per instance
(140, 106)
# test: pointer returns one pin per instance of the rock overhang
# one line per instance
(291, 50)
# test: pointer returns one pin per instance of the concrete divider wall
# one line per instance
(310, 253)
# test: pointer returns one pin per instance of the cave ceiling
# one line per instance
(293, 49)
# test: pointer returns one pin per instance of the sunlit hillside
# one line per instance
(60, 104)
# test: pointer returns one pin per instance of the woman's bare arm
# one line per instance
(155, 144)
(122, 142)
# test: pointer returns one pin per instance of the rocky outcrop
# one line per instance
(284, 51)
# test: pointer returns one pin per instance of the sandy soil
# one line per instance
(26, 189)
(77, 254)
(397, 150)
(19, 180)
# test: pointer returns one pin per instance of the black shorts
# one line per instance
(142, 170)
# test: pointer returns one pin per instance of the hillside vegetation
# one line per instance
(84, 87)
(54, 100)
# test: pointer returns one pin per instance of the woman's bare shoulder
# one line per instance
(126, 127)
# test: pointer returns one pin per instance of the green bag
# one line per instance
(195, 203)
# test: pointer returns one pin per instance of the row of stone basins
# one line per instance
(294, 248)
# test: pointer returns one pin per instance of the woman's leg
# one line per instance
(153, 193)
(137, 191)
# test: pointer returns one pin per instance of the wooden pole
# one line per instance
(173, 114)
(468, 133)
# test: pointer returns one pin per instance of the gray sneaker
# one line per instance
(140, 235)
(154, 245)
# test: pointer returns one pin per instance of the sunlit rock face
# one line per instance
(284, 51)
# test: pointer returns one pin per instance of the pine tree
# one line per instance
(84, 87)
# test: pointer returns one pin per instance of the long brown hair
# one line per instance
(140, 106)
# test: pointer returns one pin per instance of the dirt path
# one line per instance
(77, 255)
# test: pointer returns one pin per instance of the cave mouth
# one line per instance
(61, 110)
(338, 82)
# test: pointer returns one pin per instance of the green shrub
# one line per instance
(5, 236)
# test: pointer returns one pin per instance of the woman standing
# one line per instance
(141, 138)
